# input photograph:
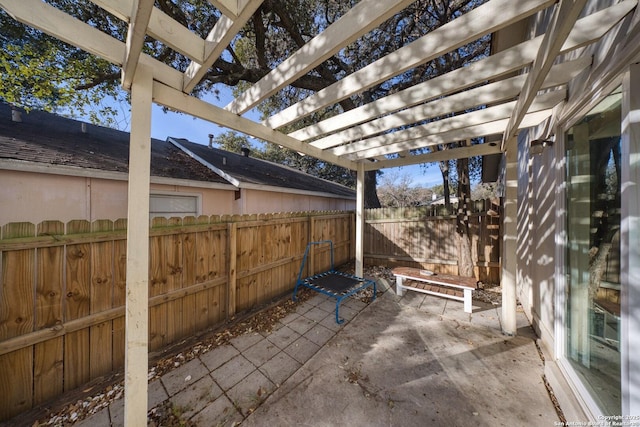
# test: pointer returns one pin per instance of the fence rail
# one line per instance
(62, 288)
(425, 237)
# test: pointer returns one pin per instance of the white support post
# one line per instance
(630, 236)
(360, 221)
(137, 299)
(509, 230)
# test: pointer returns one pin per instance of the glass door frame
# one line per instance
(630, 255)
(580, 391)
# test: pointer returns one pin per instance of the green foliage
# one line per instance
(45, 73)
(233, 141)
(40, 72)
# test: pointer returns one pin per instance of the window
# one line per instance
(168, 205)
(592, 326)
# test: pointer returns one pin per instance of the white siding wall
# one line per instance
(536, 238)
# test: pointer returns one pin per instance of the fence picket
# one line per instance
(201, 271)
(17, 317)
(425, 238)
(77, 305)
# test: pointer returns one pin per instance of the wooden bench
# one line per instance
(444, 285)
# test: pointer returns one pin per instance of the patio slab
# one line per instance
(400, 361)
(397, 364)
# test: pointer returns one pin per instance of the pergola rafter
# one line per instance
(354, 125)
(586, 30)
(417, 136)
(495, 92)
(563, 20)
(382, 134)
(479, 22)
(365, 16)
(218, 39)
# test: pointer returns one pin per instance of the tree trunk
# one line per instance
(446, 190)
(597, 269)
(371, 200)
(605, 215)
(465, 260)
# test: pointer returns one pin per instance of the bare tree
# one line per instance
(396, 190)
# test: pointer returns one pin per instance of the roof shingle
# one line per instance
(50, 139)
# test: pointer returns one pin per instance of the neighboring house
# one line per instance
(54, 168)
(268, 187)
(574, 222)
(440, 200)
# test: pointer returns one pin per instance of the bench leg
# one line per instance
(400, 290)
(467, 301)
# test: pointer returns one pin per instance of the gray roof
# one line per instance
(46, 138)
(250, 170)
(49, 139)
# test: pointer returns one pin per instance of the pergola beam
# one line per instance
(587, 30)
(217, 41)
(230, 8)
(418, 136)
(490, 93)
(480, 21)
(140, 14)
(359, 20)
(564, 18)
(58, 24)
(64, 27)
(437, 156)
(161, 26)
(177, 100)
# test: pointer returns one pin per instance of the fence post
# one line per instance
(232, 234)
(311, 268)
(352, 234)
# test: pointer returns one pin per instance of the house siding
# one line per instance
(31, 197)
(260, 201)
(541, 225)
(36, 197)
(535, 278)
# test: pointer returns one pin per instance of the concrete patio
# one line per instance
(411, 361)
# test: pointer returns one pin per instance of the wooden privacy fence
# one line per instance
(425, 237)
(62, 288)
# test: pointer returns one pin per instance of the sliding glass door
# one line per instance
(592, 322)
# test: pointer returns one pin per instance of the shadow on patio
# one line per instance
(417, 361)
(411, 361)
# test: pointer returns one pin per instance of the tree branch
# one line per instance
(97, 80)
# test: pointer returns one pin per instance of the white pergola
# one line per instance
(362, 139)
